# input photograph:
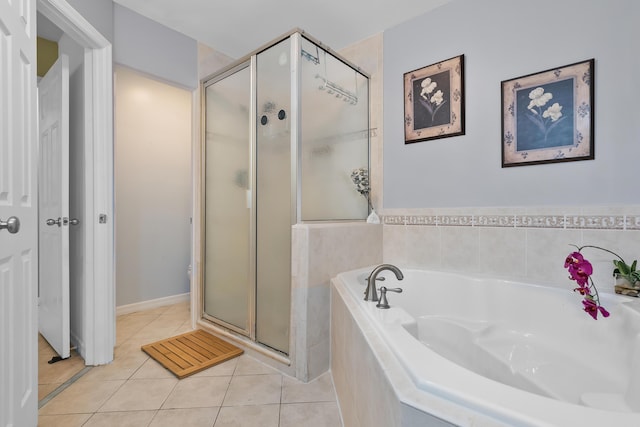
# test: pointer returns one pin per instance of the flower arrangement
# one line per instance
(580, 270)
(360, 178)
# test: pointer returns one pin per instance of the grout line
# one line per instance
(63, 386)
(215, 419)
(280, 402)
(166, 398)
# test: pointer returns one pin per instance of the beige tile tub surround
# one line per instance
(320, 252)
(369, 380)
(527, 243)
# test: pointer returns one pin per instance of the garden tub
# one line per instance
(509, 353)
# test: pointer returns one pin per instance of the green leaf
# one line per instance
(633, 266)
(624, 268)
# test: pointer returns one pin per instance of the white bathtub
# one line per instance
(510, 353)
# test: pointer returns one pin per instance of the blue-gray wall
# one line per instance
(143, 44)
(99, 13)
(149, 47)
(151, 265)
(501, 40)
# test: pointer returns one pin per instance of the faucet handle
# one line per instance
(384, 303)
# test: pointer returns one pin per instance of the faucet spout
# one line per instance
(370, 294)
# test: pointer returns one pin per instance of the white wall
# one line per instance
(210, 61)
(501, 40)
(152, 186)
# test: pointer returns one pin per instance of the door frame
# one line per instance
(97, 343)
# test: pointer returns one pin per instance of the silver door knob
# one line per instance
(52, 221)
(74, 221)
(12, 225)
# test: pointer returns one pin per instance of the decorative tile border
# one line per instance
(495, 221)
(596, 222)
(420, 220)
(580, 222)
(455, 220)
(633, 223)
(540, 221)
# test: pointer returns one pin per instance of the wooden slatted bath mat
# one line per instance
(192, 352)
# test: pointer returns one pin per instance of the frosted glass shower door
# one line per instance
(228, 278)
(273, 196)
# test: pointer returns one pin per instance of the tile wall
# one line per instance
(528, 244)
(320, 252)
(371, 385)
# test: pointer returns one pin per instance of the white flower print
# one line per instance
(555, 112)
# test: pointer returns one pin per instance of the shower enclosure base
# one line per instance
(265, 354)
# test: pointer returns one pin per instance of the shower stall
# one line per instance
(283, 130)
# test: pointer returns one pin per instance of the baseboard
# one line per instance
(78, 343)
(150, 304)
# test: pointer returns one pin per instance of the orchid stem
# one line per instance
(597, 295)
(602, 249)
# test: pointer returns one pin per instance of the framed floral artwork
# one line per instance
(434, 101)
(548, 116)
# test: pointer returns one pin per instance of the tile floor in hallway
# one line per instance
(135, 390)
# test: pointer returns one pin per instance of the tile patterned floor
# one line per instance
(135, 390)
(52, 376)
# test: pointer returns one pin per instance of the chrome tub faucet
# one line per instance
(370, 293)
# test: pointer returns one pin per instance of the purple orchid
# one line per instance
(592, 308)
(583, 290)
(581, 270)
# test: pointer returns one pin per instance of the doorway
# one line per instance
(96, 336)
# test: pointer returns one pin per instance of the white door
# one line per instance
(53, 196)
(18, 202)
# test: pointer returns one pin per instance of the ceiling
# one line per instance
(238, 27)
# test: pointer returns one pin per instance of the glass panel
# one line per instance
(227, 188)
(273, 197)
(335, 136)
